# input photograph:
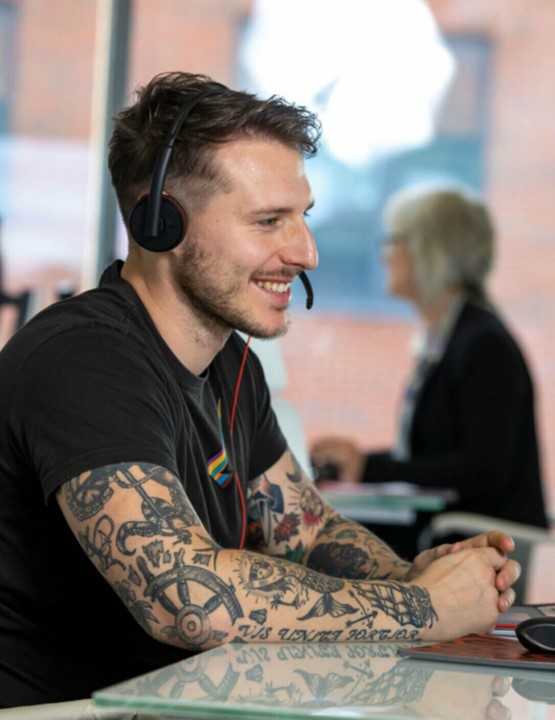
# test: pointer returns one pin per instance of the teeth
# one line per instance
(274, 286)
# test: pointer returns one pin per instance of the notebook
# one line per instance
(483, 650)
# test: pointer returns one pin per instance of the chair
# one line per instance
(529, 542)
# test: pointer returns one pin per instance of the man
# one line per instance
(139, 432)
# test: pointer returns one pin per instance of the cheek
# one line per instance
(399, 275)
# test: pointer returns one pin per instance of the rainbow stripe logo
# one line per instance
(218, 465)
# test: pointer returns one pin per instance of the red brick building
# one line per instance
(345, 372)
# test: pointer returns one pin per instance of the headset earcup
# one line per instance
(173, 225)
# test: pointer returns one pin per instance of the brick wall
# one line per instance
(346, 374)
(520, 186)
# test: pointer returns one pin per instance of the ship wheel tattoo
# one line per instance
(192, 622)
(169, 519)
(183, 676)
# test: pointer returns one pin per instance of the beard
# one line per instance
(211, 292)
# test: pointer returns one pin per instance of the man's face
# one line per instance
(248, 243)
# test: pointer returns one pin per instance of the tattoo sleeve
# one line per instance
(313, 577)
(290, 519)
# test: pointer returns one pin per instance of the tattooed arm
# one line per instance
(295, 522)
(292, 520)
(137, 526)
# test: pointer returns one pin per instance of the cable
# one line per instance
(231, 426)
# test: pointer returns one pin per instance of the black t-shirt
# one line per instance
(89, 382)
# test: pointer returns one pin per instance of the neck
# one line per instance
(434, 314)
(194, 345)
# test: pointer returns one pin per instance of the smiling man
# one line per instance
(149, 505)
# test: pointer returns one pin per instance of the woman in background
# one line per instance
(467, 419)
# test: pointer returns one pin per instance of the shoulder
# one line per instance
(110, 309)
(479, 325)
(481, 338)
(83, 336)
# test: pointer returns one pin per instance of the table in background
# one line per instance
(396, 512)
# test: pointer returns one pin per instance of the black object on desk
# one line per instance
(537, 634)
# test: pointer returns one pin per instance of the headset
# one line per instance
(158, 222)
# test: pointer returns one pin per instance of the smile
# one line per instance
(277, 287)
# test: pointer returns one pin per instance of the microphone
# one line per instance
(308, 288)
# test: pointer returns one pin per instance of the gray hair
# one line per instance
(450, 236)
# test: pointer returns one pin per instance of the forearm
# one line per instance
(274, 600)
(186, 590)
(305, 528)
(346, 549)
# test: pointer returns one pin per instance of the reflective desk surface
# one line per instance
(354, 680)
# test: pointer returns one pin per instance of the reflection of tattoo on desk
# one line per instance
(312, 678)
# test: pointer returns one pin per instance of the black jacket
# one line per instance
(473, 426)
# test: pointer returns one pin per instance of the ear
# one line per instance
(171, 223)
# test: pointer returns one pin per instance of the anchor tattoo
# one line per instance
(169, 519)
(100, 545)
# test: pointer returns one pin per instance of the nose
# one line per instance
(301, 250)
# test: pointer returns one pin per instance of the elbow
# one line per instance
(190, 628)
(196, 625)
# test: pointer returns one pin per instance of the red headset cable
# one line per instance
(231, 426)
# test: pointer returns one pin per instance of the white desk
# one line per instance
(355, 680)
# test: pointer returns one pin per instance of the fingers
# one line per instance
(462, 588)
(497, 711)
(494, 538)
(500, 540)
(500, 686)
(510, 569)
(493, 558)
(423, 559)
(506, 600)
(341, 453)
(507, 575)
(442, 550)
(331, 446)
(507, 571)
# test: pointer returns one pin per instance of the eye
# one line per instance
(306, 214)
(269, 222)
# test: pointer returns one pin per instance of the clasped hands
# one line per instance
(492, 548)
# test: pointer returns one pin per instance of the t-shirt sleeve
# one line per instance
(84, 400)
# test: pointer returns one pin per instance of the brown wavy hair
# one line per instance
(141, 128)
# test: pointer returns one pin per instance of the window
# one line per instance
(350, 196)
(7, 33)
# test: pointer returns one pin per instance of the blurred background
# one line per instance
(408, 90)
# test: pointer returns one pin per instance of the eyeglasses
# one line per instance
(393, 239)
